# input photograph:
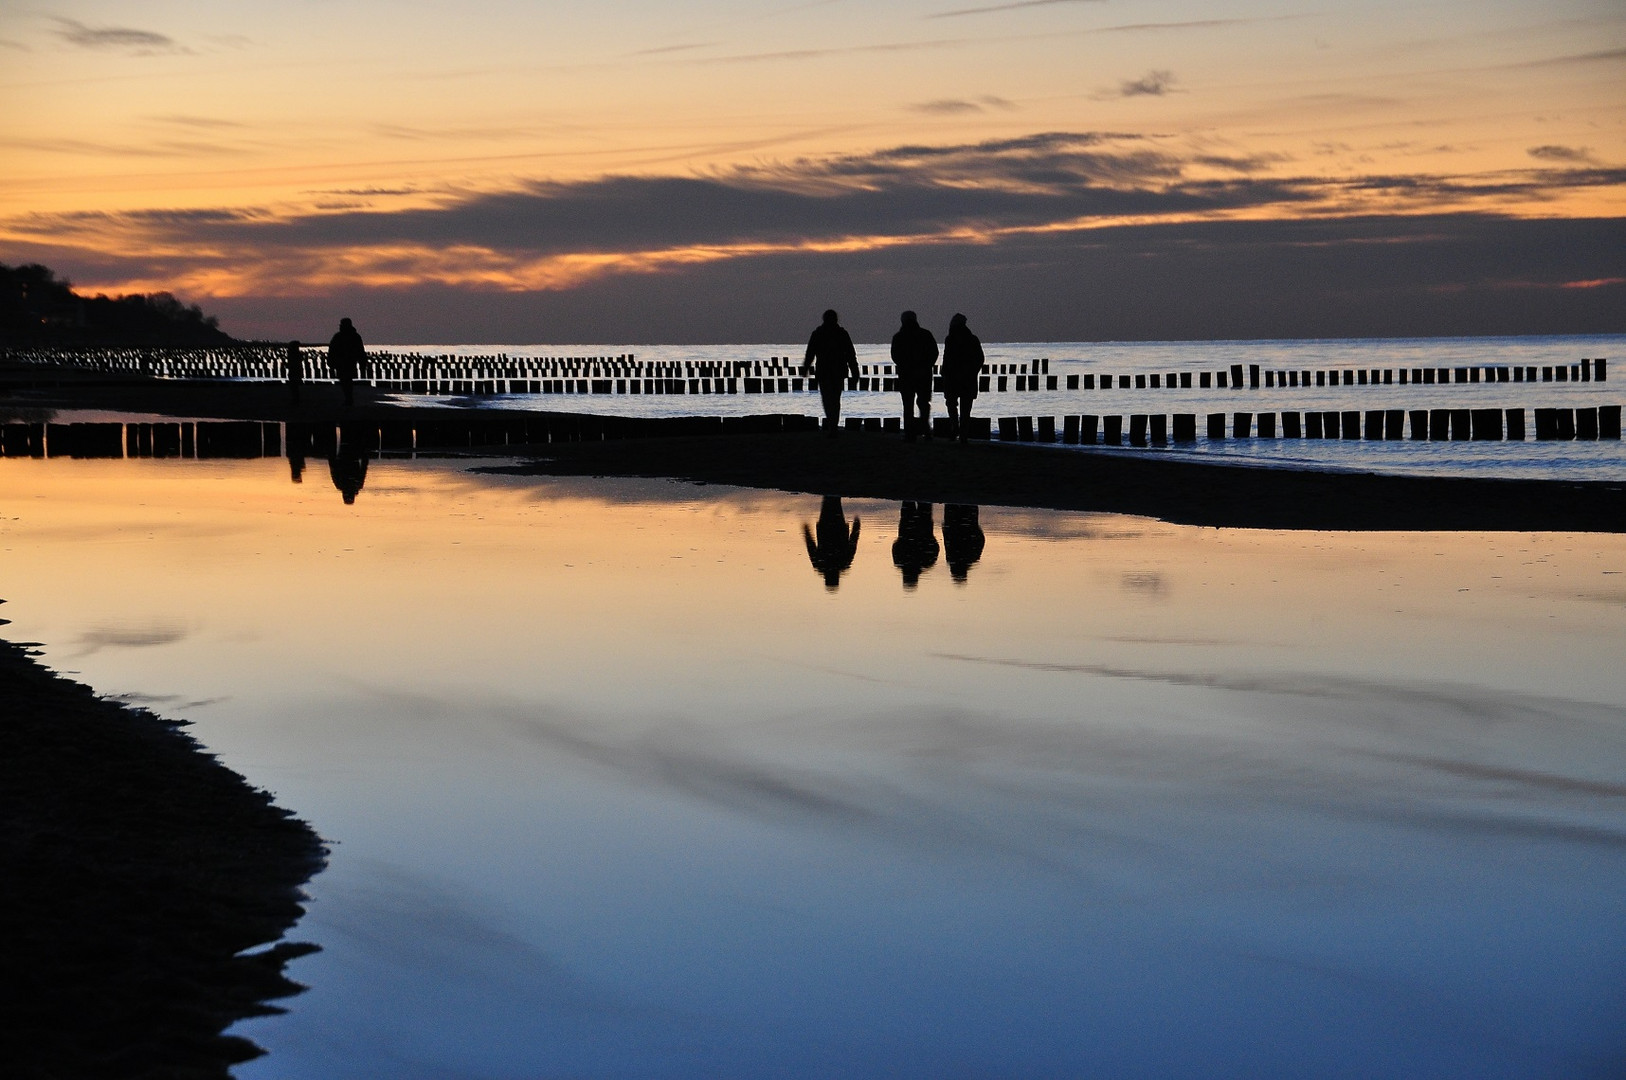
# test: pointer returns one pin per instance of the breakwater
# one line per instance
(204, 439)
(625, 374)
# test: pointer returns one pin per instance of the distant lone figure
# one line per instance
(914, 355)
(296, 371)
(832, 548)
(830, 351)
(345, 355)
(962, 364)
(962, 540)
(915, 550)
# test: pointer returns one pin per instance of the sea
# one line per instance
(1138, 361)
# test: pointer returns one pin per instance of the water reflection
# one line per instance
(832, 548)
(1349, 806)
(962, 539)
(915, 550)
(348, 467)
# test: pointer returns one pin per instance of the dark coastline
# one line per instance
(136, 869)
(1175, 488)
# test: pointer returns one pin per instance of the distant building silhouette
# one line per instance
(962, 539)
(831, 549)
(915, 550)
(830, 351)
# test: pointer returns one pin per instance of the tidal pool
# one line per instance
(619, 787)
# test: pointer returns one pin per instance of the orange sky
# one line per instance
(135, 126)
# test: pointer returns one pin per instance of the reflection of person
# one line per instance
(914, 356)
(348, 467)
(832, 548)
(962, 363)
(915, 549)
(962, 539)
(346, 355)
(296, 371)
(830, 351)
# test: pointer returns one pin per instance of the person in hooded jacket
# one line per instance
(914, 356)
(962, 365)
(346, 356)
(830, 352)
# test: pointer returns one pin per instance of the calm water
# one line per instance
(619, 788)
(1570, 460)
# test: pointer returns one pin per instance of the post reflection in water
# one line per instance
(916, 548)
(832, 548)
(962, 539)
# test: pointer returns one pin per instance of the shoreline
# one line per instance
(879, 464)
(139, 869)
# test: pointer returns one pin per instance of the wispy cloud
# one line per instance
(7, 43)
(124, 38)
(1018, 4)
(960, 106)
(1152, 84)
(1579, 155)
(129, 637)
(205, 123)
(663, 50)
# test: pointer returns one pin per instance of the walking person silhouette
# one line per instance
(832, 548)
(346, 355)
(962, 540)
(914, 356)
(830, 351)
(916, 548)
(962, 364)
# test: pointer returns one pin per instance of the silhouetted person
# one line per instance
(830, 351)
(915, 549)
(348, 467)
(296, 371)
(296, 465)
(832, 548)
(962, 539)
(914, 356)
(345, 355)
(962, 363)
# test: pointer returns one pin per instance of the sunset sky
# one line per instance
(630, 171)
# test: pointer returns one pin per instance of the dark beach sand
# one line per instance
(135, 867)
(880, 465)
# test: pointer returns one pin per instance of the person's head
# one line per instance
(909, 319)
(958, 322)
(830, 317)
(293, 348)
(344, 324)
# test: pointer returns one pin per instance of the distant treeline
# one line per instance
(39, 308)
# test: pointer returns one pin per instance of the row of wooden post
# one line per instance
(1480, 425)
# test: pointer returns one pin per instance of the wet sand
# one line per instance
(136, 867)
(880, 465)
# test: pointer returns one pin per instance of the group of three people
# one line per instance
(833, 359)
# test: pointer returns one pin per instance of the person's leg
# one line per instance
(926, 411)
(950, 405)
(907, 391)
(347, 386)
(830, 391)
(964, 427)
